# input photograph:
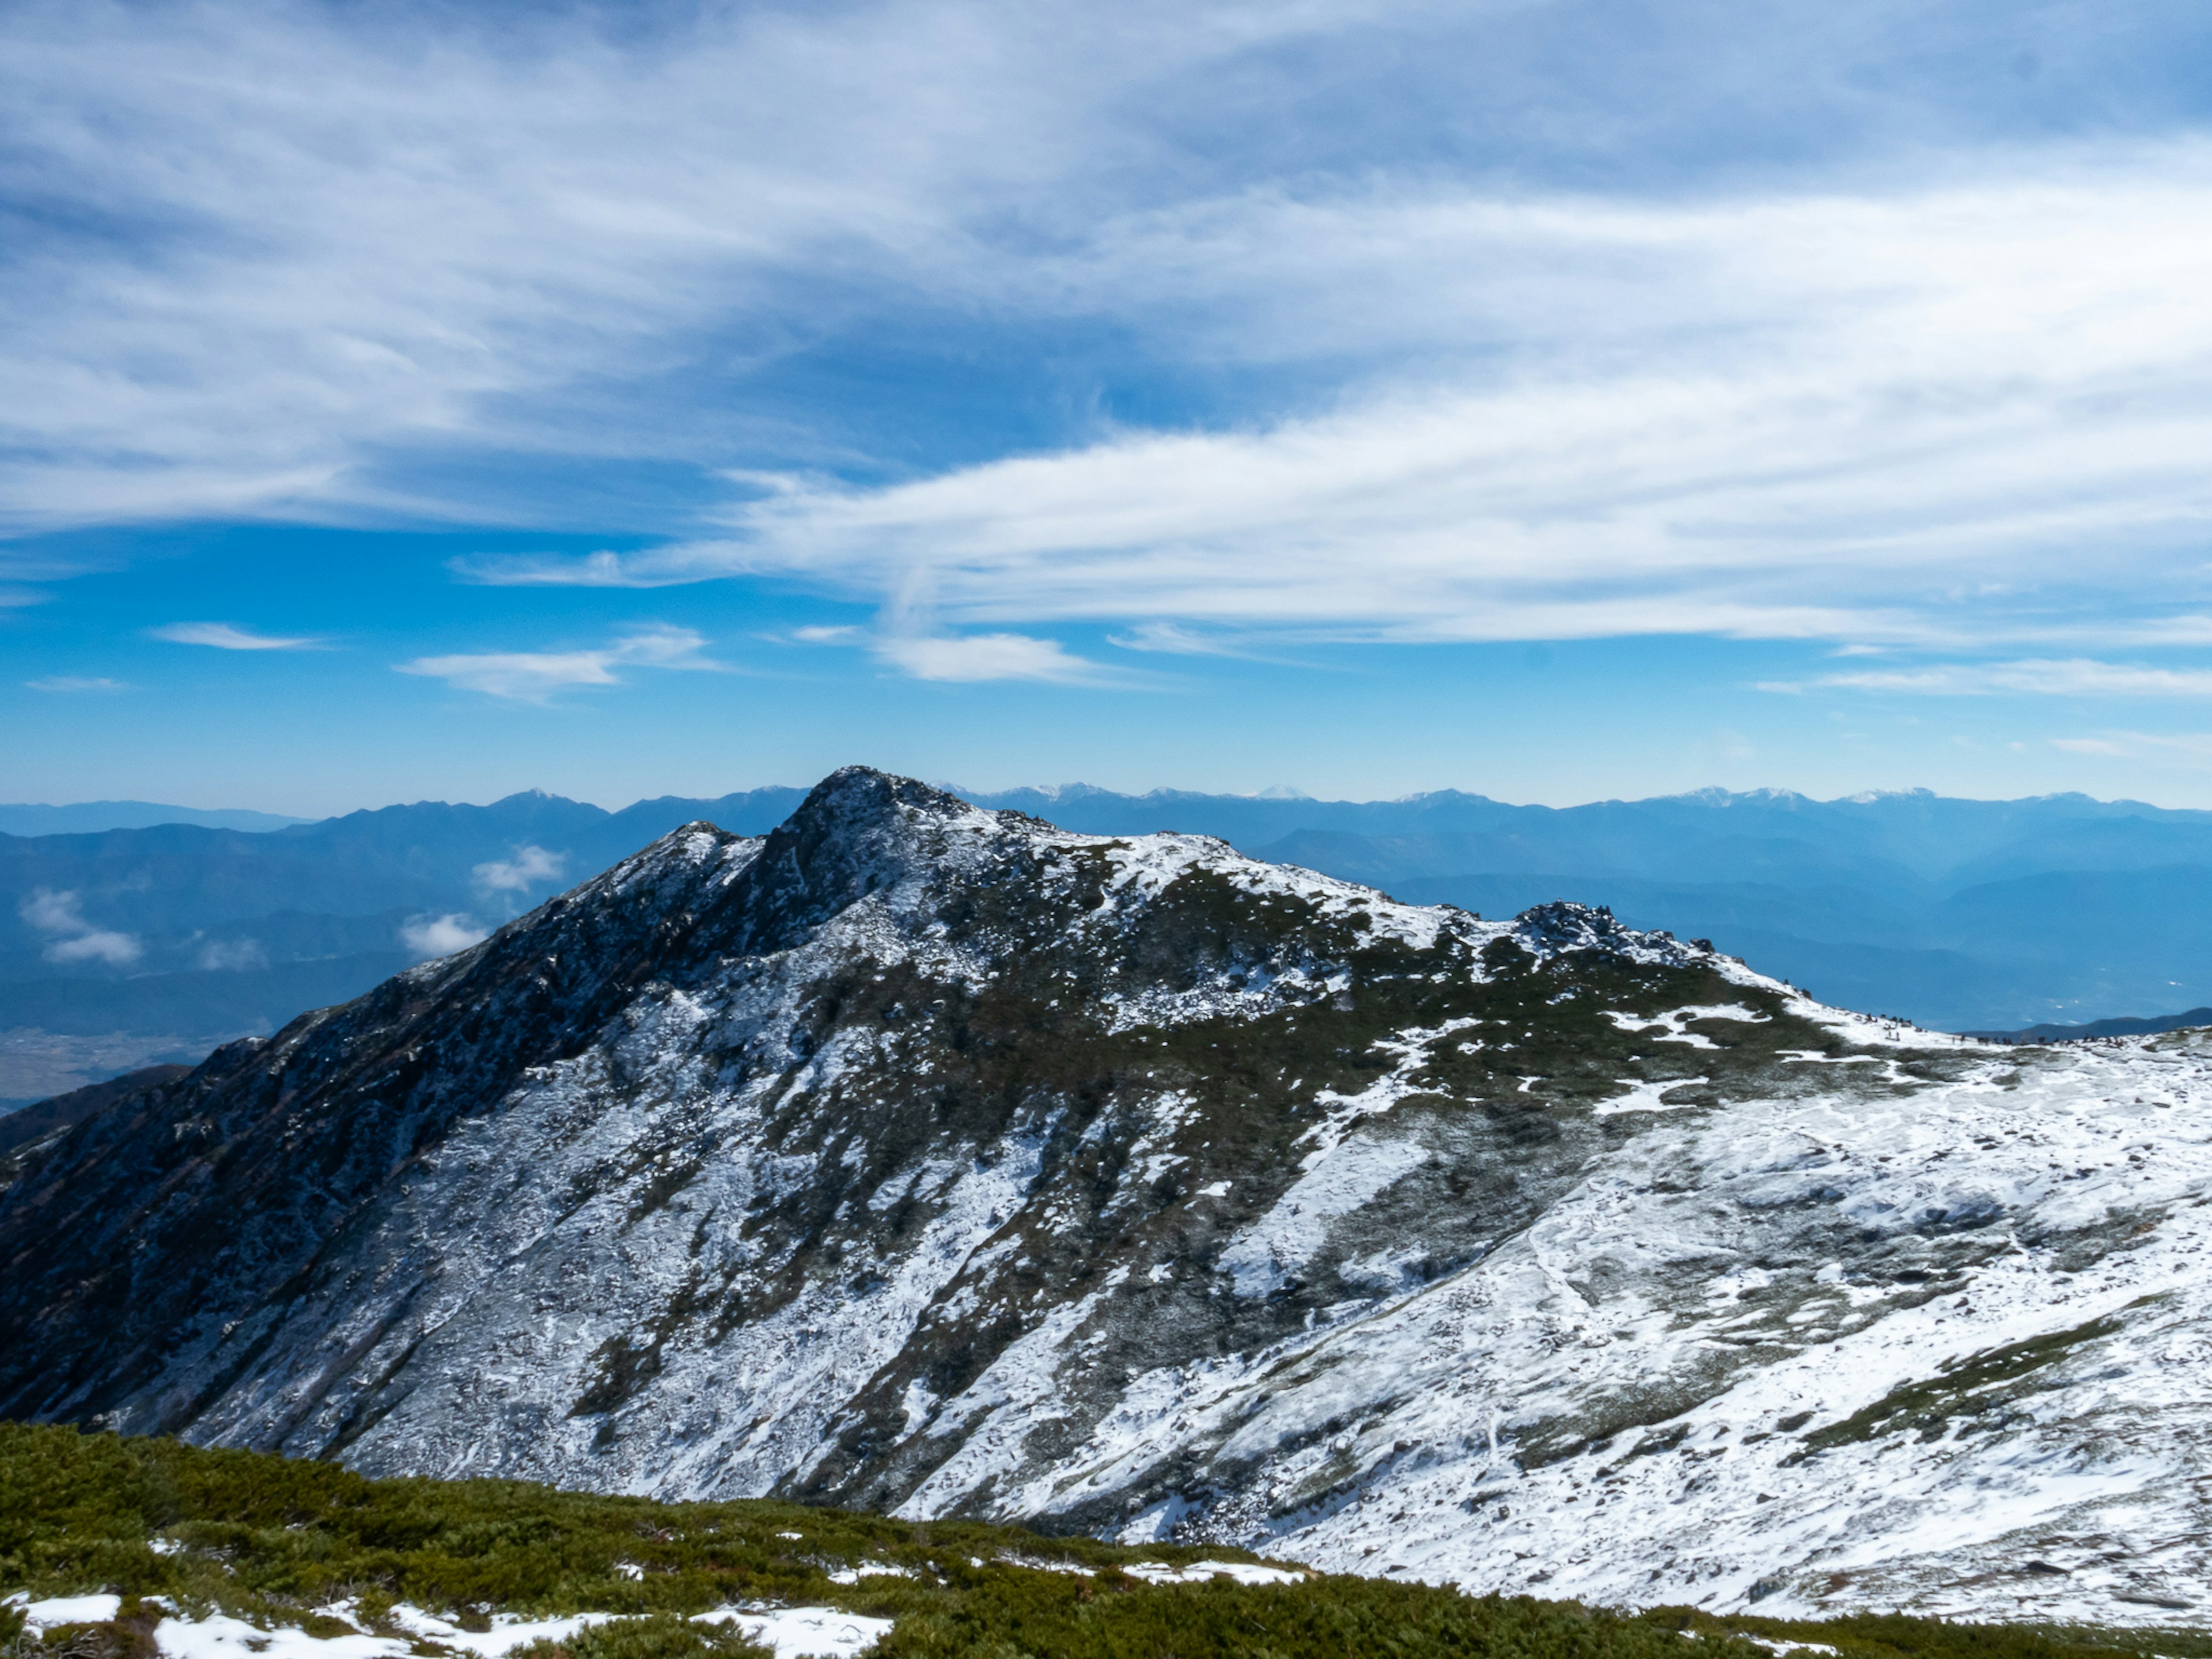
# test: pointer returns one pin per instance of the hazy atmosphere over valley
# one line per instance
(1334, 810)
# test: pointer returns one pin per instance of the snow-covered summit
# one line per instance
(933, 1158)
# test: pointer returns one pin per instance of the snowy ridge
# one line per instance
(941, 1161)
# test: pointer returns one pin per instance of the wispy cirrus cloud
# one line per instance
(1554, 378)
(975, 658)
(906, 644)
(536, 676)
(2189, 747)
(76, 684)
(327, 235)
(2075, 676)
(1896, 417)
(222, 637)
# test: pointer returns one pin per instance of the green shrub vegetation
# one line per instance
(270, 1540)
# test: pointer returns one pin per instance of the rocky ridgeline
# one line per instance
(930, 1159)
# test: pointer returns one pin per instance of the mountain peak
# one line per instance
(855, 795)
(858, 831)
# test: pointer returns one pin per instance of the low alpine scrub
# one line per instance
(173, 1530)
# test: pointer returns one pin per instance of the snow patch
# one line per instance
(1338, 1180)
(1649, 1097)
(44, 1615)
(1200, 1572)
(804, 1633)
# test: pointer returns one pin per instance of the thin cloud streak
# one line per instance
(224, 637)
(2069, 678)
(908, 646)
(977, 658)
(2191, 748)
(534, 676)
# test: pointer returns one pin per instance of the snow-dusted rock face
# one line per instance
(933, 1159)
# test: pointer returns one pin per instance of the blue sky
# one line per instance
(1555, 400)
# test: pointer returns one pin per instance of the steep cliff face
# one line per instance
(934, 1159)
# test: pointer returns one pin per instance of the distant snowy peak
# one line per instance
(934, 1158)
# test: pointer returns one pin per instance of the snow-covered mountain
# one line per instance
(935, 1160)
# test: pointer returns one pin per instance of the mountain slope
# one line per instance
(41, 1119)
(937, 1160)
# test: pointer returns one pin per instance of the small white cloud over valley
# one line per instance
(440, 936)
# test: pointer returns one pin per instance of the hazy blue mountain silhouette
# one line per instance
(1959, 914)
(85, 817)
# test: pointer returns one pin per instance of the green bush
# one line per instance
(661, 1636)
(268, 1538)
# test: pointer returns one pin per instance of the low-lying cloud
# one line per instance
(79, 940)
(440, 936)
(528, 867)
(231, 955)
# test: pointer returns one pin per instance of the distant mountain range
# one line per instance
(88, 816)
(1961, 914)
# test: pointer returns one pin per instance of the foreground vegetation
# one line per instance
(271, 1540)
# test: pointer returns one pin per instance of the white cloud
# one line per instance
(2067, 677)
(117, 949)
(536, 676)
(223, 637)
(1971, 411)
(976, 657)
(968, 658)
(529, 866)
(2186, 748)
(1173, 638)
(236, 955)
(440, 936)
(70, 684)
(54, 913)
(518, 676)
(352, 230)
(51, 912)
(1943, 404)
